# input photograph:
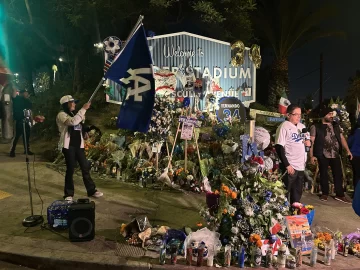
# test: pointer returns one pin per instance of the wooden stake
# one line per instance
(172, 150)
(197, 149)
(167, 148)
(157, 161)
(314, 179)
(186, 143)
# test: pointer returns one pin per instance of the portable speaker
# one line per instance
(81, 218)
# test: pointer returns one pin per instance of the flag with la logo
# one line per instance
(132, 68)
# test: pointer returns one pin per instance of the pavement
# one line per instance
(39, 248)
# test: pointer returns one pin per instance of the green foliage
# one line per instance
(42, 82)
(258, 106)
(353, 92)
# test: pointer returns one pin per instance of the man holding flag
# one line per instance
(132, 68)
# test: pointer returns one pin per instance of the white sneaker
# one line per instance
(69, 199)
(97, 194)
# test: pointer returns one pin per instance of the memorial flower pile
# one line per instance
(245, 206)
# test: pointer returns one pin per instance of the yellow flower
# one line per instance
(122, 228)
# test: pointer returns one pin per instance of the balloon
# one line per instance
(239, 49)
(178, 149)
(186, 102)
(255, 55)
(238, 216)
(273, 238)
(269, 164)
(262, 138)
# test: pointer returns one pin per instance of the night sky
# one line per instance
(341, 56)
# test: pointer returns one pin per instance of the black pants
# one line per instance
(72, 155)
(355, 162)
(294, 185)
(335, 165)
(19, 131)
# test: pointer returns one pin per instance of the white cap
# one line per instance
(66, 99)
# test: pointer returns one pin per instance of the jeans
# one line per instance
(19, 131)
(72, 155)
(294, 185)
(335, 165)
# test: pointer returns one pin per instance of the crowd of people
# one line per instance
(326, 146)
(323, 147)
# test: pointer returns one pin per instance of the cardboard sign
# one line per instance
(156, 148)
(190, 121)
(300, 233)
(187, 131)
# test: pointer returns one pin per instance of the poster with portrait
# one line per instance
(187, 131)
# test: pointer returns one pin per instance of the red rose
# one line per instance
(304, 211)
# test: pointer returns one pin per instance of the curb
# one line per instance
(37, 262)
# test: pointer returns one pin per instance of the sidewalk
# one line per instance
(42, 249)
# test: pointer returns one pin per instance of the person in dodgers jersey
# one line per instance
(290, 146)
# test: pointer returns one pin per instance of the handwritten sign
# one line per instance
(190, 121)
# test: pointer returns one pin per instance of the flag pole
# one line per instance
(141, 17)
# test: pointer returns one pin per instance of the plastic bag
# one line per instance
(356, 200)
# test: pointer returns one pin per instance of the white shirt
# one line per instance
(63, 121)
(289, 136)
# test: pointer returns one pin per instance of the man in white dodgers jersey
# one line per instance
(290, 146)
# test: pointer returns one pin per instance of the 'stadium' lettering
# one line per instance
(217, 73)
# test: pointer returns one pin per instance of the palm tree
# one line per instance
(287, 26)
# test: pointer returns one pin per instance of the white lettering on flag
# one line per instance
(137, 90)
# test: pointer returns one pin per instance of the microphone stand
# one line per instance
(32, 220)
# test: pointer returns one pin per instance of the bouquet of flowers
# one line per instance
(342, 116)
(301, 209)
(322, 238)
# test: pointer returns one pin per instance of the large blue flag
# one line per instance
(132, 68)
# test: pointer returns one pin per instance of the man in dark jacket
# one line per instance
(329, 142)
(20, 103)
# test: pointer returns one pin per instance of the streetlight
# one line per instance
(16, 74)
(99, 45)
(60, 59)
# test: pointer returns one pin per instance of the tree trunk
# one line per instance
(29, 79)
(279, 81)
(78, 80)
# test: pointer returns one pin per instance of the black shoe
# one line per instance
(12, 154)
(29, 153)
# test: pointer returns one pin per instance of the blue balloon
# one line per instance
(273, 238)
(238, 217)
(178, 150)
(186, 102)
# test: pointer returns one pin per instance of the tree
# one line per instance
(353, 93)
(50, 29)
(287, 26)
